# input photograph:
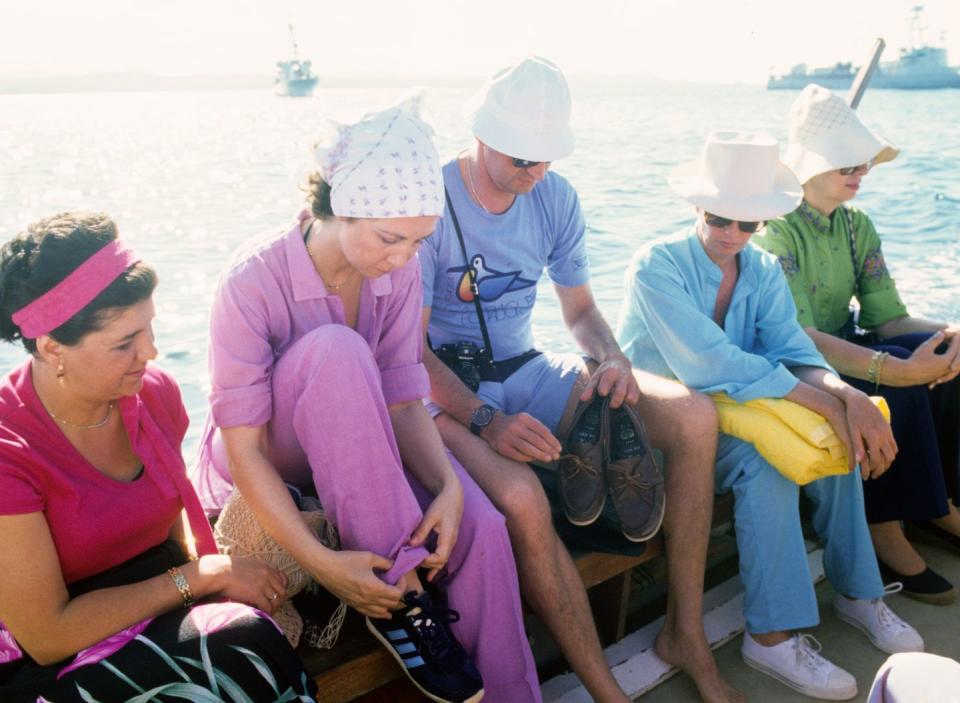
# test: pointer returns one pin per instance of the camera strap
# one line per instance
(474, 288)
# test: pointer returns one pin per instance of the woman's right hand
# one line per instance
(243, 579)
(350, 576)
(926, 366)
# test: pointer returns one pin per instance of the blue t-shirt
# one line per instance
(543, 229)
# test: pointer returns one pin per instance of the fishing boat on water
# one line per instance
(295, 76)
(920, 67)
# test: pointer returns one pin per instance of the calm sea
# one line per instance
(190, 175)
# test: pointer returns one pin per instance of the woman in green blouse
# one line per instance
(831, 255)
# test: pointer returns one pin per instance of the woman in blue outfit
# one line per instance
(706, 307)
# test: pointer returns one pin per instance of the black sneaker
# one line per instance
(419, 638)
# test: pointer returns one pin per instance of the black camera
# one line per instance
(468, 361)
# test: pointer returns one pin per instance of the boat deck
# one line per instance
(844, 645)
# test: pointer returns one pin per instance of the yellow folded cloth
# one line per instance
(796, 441)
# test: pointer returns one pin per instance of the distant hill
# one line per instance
(122, 82)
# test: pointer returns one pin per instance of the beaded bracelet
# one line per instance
(180, 581)
(873, 371)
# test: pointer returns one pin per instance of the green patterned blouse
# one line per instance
(814, 251)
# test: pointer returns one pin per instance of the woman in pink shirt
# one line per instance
(317, 382)
(94, 563)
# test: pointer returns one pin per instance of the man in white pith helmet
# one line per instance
(499, 401)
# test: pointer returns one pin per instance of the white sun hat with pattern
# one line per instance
(739, 176)
(824, 134)
(383, 165)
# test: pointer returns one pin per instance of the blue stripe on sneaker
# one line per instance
(413, 663)
(406, 647)
(397, 634)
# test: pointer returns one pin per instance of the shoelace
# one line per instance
(428, 622)
(885, 616)
(634, 481)
(808, 653)
(578, 465)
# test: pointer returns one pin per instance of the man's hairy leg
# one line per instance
(549, 580)
(683, 425)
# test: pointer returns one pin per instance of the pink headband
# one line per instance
(74, 292)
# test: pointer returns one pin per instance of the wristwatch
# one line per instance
(481, 417)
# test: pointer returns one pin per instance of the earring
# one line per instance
(60, 370)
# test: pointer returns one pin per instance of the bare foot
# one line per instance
(693, 656)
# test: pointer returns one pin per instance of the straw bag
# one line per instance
(239, 534)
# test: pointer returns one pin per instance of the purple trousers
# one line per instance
(331, 427)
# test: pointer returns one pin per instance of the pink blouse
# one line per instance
(97, 522)
(270, 298)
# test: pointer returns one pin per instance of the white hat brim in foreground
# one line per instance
(690, 182)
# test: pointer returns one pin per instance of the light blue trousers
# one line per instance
(773, 559)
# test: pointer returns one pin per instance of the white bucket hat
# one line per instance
(824, 134)
(739, 176)
(524, 111)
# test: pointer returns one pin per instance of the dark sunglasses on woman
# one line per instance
(721, 222)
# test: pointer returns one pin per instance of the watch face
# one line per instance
(482, 416)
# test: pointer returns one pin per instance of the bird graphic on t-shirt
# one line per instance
(491, 284)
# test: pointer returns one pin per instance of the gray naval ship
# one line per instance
(295, 77)
(921, 67)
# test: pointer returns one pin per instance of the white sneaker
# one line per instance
(798, 664)
(879, 623)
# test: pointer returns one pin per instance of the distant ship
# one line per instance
(920, 67)
(295, 77)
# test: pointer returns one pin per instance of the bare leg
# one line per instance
(683, 425)
(894, 550)
(951, 521)
(549, 580)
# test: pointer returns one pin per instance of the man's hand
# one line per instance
(521, 437)
(614, 378)
(870, 434)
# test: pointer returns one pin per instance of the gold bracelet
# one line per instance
(180, 581)
(876, 364)
(876, 382)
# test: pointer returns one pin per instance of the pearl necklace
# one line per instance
(95, 425)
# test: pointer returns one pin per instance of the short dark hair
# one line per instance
(39, 258)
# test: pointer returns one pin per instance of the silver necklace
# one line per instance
(473, 186)
(95, 425)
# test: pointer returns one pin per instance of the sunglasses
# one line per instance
(722, 222)
(523, 163)
(850, 170)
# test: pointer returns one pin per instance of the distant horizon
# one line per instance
(671, 40)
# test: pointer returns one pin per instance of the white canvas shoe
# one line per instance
(798, 664)
(879, 623)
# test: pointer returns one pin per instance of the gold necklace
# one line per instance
(337, 286)
(473, 186)
(95, 425)
(329, 286)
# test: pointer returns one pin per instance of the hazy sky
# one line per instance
(710, 40)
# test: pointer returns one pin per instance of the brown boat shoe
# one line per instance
(634, 479)
(583, 489)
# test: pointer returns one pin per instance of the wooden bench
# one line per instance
(359, 665)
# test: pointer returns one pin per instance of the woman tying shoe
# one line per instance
(831, 254)
(97, 596)
(316, 381)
